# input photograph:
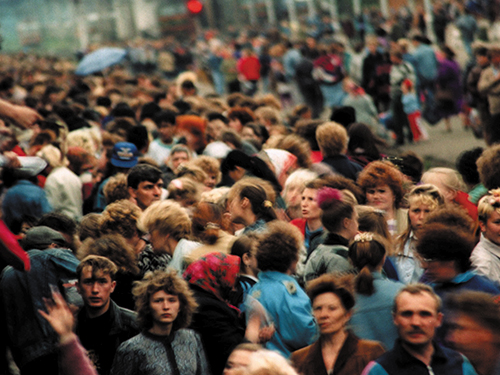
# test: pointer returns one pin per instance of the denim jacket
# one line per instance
(29, 335)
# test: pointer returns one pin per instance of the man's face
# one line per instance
(96, 289)
(416, 318)
(178, 158)
(167, 132)
(469, 337)
(147, 193)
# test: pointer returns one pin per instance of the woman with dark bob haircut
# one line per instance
(165, 306)
(337, 351)
(382, 184)
(279, 293)
(445, 255)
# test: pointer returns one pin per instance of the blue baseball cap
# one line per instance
(125, 155)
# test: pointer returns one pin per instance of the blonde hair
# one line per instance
(82, 138)
(184, 188)
(209, 165)
(167, 217)
(427, 194)
(116, 188)
(53, 156)
(332, 138)
(450, 178)
(189, 170)
(269, 114)
(488, 204)
(121, 217)
(267, 362)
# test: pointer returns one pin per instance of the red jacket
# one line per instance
(249, 67)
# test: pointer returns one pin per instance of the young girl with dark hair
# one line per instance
(374, 291)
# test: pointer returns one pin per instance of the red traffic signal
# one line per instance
(194, 6)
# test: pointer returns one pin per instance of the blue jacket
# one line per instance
(372, 318)
(398, 361)
(425, 63)
(29, 335)
(290, 309)
(342, 165)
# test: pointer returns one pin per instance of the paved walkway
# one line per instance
(443, 148)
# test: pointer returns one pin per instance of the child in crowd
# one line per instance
(412, 110)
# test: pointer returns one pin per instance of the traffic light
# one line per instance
(194, 6)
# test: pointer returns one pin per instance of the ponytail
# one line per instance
(261, 206)
(363, 284)
(366, 254)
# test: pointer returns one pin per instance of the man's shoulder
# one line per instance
(398, 361)
(126, 318)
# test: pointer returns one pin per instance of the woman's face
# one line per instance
(237, 361)
(491, 229)
(293, 195)
(247, 134)
(417, 213)
(237, 173)
(381, 197)
(309, 205)
(164, 308)
(329, 313)
(236, 211)
(353, 225)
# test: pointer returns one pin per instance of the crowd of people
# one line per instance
(148, 228)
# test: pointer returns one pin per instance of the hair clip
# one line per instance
(267, 204)
(211, 225)
(363, 237)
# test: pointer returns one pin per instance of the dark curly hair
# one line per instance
(170, 283)
(383, 173)
(278, 247)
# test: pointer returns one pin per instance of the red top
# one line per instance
(463, 200)
(316, 156)
(300, 223)
(249, 67)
